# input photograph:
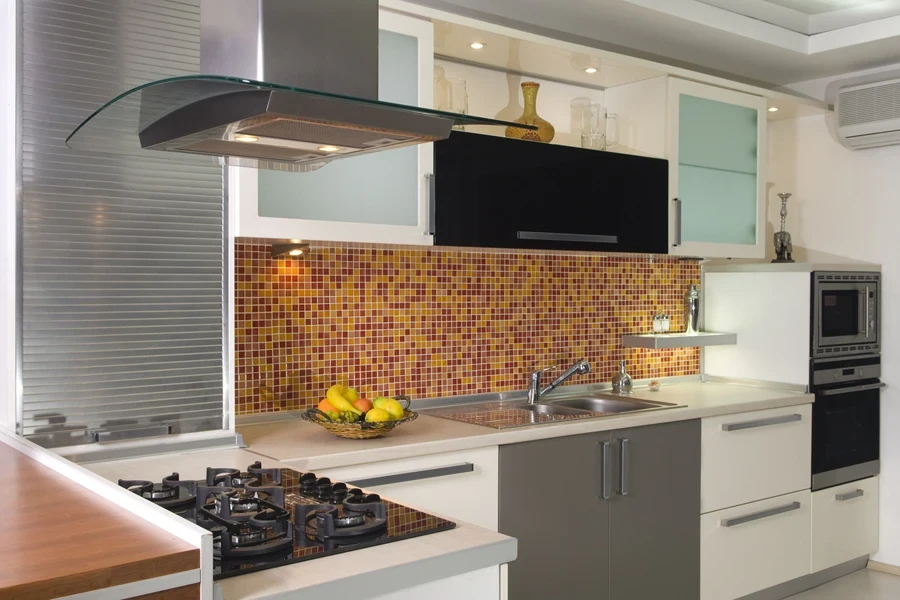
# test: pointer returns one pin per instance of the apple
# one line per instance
(363, 405)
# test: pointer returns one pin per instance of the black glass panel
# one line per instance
(845, 429)
(840, 313)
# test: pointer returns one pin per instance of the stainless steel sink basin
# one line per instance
(607, 403)
(551, 409)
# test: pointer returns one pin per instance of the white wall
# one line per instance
(7, 214)
(848, 203)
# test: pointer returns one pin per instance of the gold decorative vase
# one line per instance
(544, 131)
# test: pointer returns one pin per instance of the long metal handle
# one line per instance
(849, 495)
(855, 388)
(761, 422)
(550, 236)
(432, 202)
(624, 460)
(863, 316)
(866, 300)
(760, 515)
(677, 240)
(605, 483)
(405, 476)
(116, 434)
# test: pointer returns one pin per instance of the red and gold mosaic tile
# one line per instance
(435, 322)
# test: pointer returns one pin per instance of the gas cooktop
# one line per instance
(264, 518)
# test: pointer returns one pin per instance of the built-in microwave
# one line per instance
(846, 313)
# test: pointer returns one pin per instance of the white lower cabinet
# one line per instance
(754, 546)
(844, 523)
(458, 485)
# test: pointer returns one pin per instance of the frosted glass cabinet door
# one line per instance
(380, 197)
(716, 160)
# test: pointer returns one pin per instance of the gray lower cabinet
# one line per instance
(606, 516)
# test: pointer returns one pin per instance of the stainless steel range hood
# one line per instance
(287, 85)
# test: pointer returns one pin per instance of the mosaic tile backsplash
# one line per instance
(434, 322)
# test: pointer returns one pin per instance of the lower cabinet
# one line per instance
(754, 546)
(844, 523)
(612, 515)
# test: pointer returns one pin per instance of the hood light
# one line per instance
(590, 70)
(245, 138)
(476, 45)
(292, 250)
(773, 109)
(328, 149)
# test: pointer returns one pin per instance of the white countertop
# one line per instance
(308, 447)
(361, 574)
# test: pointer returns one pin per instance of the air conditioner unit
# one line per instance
(868, 115)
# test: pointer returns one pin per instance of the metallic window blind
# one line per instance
(122, 257)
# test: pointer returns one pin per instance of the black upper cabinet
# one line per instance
(495, 192)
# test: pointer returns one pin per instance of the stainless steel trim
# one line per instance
(865, 300)
(828, 479)
(606, 468)
(432, 201)
(807, 582)
(770, 385)
(370, 482)
(118, 434)
(763, 514)
(849, 495)
(547, 236)
(624, 462)
(677, 240)
(855, 388)
(762, 422)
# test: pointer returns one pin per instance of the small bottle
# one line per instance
(666, 323)
(692, 310)
(621, 381)
(657, 323)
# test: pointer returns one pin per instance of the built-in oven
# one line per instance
(846, 420)
(845, 313)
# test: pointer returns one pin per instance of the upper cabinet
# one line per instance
(717, 142)
(380, 197)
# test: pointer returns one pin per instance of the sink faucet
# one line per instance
(535, 393)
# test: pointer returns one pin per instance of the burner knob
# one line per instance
(836, 375)
(860, 373)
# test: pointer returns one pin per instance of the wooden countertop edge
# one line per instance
(98, 579)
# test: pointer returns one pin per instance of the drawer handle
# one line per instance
(623, 466)
(848, 495)
(760, 515)
(761, 422)
(405, 476)
(605, 475)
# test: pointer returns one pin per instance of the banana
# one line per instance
(339, 402)
(350, 394)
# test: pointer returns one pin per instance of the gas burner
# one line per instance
(358, 515)
(255, 476)
(172, 493)
(263, 529)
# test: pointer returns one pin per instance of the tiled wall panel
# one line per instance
(442, 322)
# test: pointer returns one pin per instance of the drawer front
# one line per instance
(748, 548)
(458, 485)
(760, 454)
(844, 523)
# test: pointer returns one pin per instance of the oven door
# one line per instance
(845, 314)
(845, 434)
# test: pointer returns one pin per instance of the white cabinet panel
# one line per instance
(470, 496)
(750, 456)
(748, 548)
(477, 585)
(844, 523)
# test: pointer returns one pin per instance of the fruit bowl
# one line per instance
(361, 430)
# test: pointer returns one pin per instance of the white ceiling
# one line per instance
(705, 36)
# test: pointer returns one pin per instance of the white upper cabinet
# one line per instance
(380, 197)
(717, 147)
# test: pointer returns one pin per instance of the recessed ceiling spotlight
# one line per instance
(591, 70)
(773, 109)
(477, 45)
(245, 138)
(328, 148)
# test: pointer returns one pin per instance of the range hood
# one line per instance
(289, 85)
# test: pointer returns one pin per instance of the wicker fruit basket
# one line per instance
(361, 430)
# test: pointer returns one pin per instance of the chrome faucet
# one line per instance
(535, 393)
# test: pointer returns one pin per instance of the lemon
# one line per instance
(378, 415)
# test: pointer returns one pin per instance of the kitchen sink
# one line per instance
(608, 403)
(551, 409)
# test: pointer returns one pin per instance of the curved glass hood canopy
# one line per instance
(256, 124)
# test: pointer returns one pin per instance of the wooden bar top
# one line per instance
(59, 538)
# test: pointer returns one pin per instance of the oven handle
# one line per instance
(866, 300)
(855, 388)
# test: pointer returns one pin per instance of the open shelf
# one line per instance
(659, 341)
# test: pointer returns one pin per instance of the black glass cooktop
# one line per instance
(265, 518)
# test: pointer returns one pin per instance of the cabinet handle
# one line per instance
(605, 474)
(624, 460)
(761, 422)
(855, 388)
(677, 240)
(760, 515)
(405, 476)
(848, 495)
(549, 236)
(432, 202)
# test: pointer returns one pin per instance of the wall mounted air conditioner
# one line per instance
(868, 115)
